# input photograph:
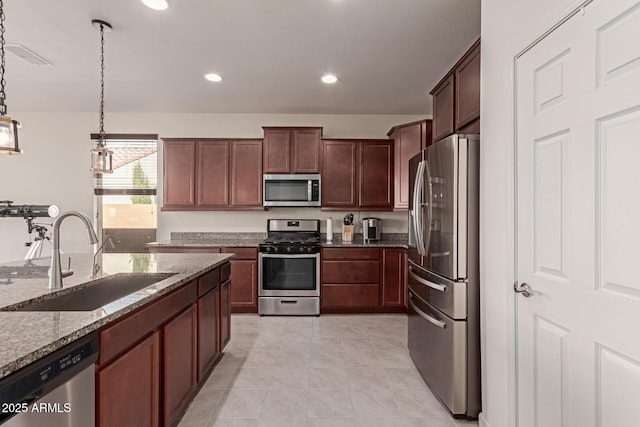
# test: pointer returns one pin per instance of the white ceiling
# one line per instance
(387, 54)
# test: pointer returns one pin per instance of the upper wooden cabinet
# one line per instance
(292, 150)
(456, 98)
(409, 139)
(468, 88)
(357, 175)
(212, 174)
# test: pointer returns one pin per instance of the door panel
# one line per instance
(577, 125)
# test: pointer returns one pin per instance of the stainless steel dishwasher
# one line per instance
(57, 390)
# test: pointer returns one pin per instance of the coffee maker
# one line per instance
(371, 229)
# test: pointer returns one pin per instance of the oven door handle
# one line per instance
(263, 255)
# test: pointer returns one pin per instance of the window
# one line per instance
(126, 201)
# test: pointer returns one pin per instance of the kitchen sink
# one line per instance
(93, 295)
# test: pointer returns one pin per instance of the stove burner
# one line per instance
(292, 241)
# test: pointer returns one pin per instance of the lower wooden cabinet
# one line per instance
(225, 314)
(128, 392)
(180, 363)
(362, 280)
(208, 334)
(152, 360)
(244, 274)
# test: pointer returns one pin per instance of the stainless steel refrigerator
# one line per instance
(443, 276)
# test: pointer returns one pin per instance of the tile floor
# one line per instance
(317, 371)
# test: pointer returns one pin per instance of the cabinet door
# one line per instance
(129, 388)
(180, 363)
(393, 268)
(407, 144)
(376, 175)
(225, 314)
(277, 151)
(244, 276)
(468, 88)
(339, 168)
(212, 178)
(443, 120)
(208, 315)
(246, 173)
(179, 173)
(306, 150)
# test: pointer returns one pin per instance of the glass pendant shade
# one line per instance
(101, 160)
(9, 136)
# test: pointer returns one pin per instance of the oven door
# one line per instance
(289, 275)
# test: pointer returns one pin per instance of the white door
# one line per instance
(578, 221)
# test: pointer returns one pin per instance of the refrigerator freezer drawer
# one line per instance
(438, 347)
(447, 296)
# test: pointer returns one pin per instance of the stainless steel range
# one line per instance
(289, 268)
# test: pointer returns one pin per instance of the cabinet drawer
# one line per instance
(242, 253)
(350, 253)
(350, 272)
(208, 281)
(349, 295)
(114, 339)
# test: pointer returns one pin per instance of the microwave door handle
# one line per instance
(309, 192)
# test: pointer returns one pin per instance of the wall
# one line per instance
(508, 26)
(54, 168)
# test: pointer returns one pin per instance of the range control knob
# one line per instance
(288, 248)
(301, 248)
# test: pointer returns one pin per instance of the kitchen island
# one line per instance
(168, 334)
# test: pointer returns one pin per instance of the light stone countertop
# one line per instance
(28, 336)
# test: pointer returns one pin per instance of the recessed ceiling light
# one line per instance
(329, 78)
(156, 4)
(213, 77)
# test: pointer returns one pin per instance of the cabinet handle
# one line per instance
(289, 302)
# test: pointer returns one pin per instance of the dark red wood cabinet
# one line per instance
(180, 363)
(212, 174)
(456, 98)
(152, 359)
(244, 271)
(357, 175)
(409, 139)
(127, 390)
(291, 150)
(362, 280)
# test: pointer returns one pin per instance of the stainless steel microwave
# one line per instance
(291, 190)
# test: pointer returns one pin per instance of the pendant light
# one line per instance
(8, 126)
(101, 156)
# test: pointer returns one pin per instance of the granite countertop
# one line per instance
(213, 240)
(27, 336)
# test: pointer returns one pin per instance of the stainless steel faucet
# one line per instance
(55, 273)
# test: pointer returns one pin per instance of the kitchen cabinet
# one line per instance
(394, 265)
(244, 271)
(291, 150)
(212, 174)
(357, 175)
(409, 139)
(179, 172)
(127, 390)
(152, 359)
(456, 98)
(180, 363)
(350, 279)
(363, 280)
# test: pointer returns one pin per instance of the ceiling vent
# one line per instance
(26, 54)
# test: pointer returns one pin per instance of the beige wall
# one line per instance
(54, 167)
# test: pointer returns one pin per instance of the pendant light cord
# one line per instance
(3, 107)
(102, 134)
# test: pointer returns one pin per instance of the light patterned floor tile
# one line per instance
(241, 403)
(285, 403)
(329, 404)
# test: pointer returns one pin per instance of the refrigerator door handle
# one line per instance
(429, 207)
(417, 208)
(438, 323)
(425, 282)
